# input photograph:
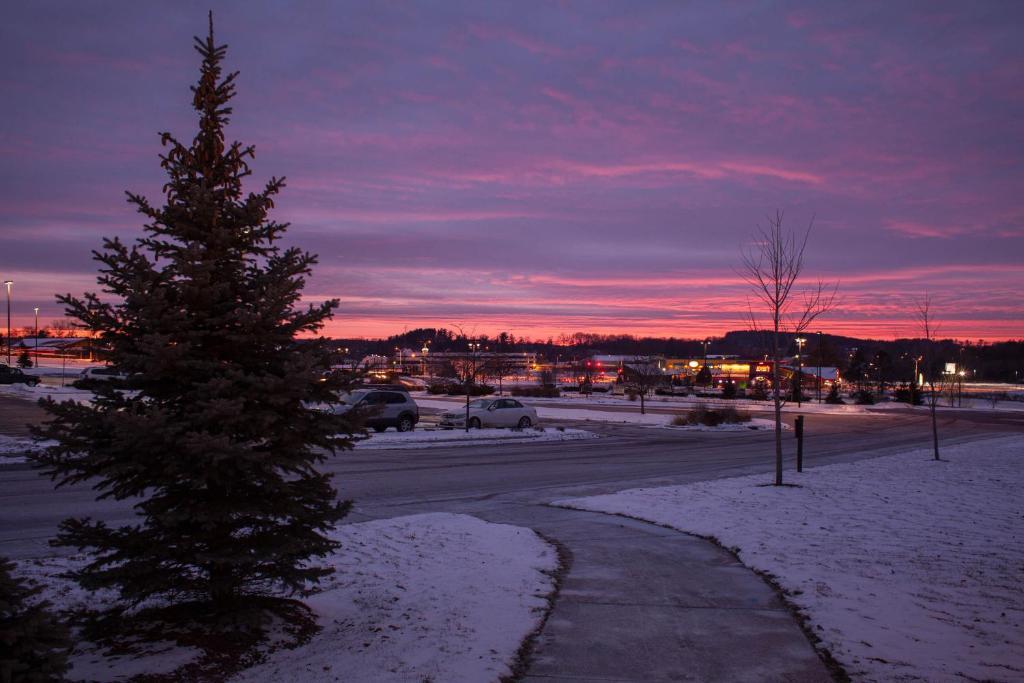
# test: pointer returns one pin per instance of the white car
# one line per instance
(380, 408)
(491, 412)
(90, 376)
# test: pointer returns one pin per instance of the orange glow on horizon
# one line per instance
(378, 328)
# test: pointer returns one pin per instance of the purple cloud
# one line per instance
(578, 166)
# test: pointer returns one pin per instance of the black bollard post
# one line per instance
(799, 429)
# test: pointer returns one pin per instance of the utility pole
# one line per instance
(800, 341)
(703, 368)
(8, 283)
(36, 309)
(471, 370)
(819, 366)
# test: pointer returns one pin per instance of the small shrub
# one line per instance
(438, 387)
(833, 397)
(24, 362)
(474, 390)
(711, 417)
(908, 393)
(757, 392)
(632, 394)
(729, 390)
(864, 397)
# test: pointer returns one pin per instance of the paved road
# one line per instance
(639, 602)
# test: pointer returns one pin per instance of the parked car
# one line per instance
(88, 377)
(492, 412)
(380, 408)
(9, 375)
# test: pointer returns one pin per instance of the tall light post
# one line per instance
(704, 368)
(36, 309)
(8, 283)
(471, 370)
(819, 366)
(800, 341)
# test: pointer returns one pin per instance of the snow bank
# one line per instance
(43, 390)
(432, 597)
(426, 438)
(754, 423)
(617, 416)
(908, 569)
(438, 597)
(13, 449)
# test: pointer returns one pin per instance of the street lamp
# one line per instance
(705, 366)
(471, 370)
(819, 366)
(800, 341)
(36, 309)
(8, 283)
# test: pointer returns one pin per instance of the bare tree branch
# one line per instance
(771, 265)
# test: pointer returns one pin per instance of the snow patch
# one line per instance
(439, 597)
(431, 597)
(39, 391)
(908, 569)
(13, 449)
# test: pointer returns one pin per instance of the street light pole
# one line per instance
(471, 370)
(819, 366)
(704, 367)
(8, 283)
(36, 309)
(800, 341)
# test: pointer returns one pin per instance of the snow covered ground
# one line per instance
(807, 407)
(687, 402)
(434, 597)
(425, 438)
(908, 569)
(43, 390)
(14, 448)
(616, 416)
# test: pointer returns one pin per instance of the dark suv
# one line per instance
(383, 408)
(9, 375)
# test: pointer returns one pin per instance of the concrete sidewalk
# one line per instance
(645, 603)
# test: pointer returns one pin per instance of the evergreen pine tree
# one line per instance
(216, 437)
(33, 643)
(24, 361)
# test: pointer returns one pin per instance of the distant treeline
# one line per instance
(1000, 361)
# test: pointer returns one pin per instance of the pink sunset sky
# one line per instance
(549, 167)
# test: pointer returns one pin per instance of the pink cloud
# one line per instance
(916, 229)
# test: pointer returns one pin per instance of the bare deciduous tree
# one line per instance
(471, 367)
(772, 266)
(499, 367)
(642, 375)
(63, 328)
(932, 373)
